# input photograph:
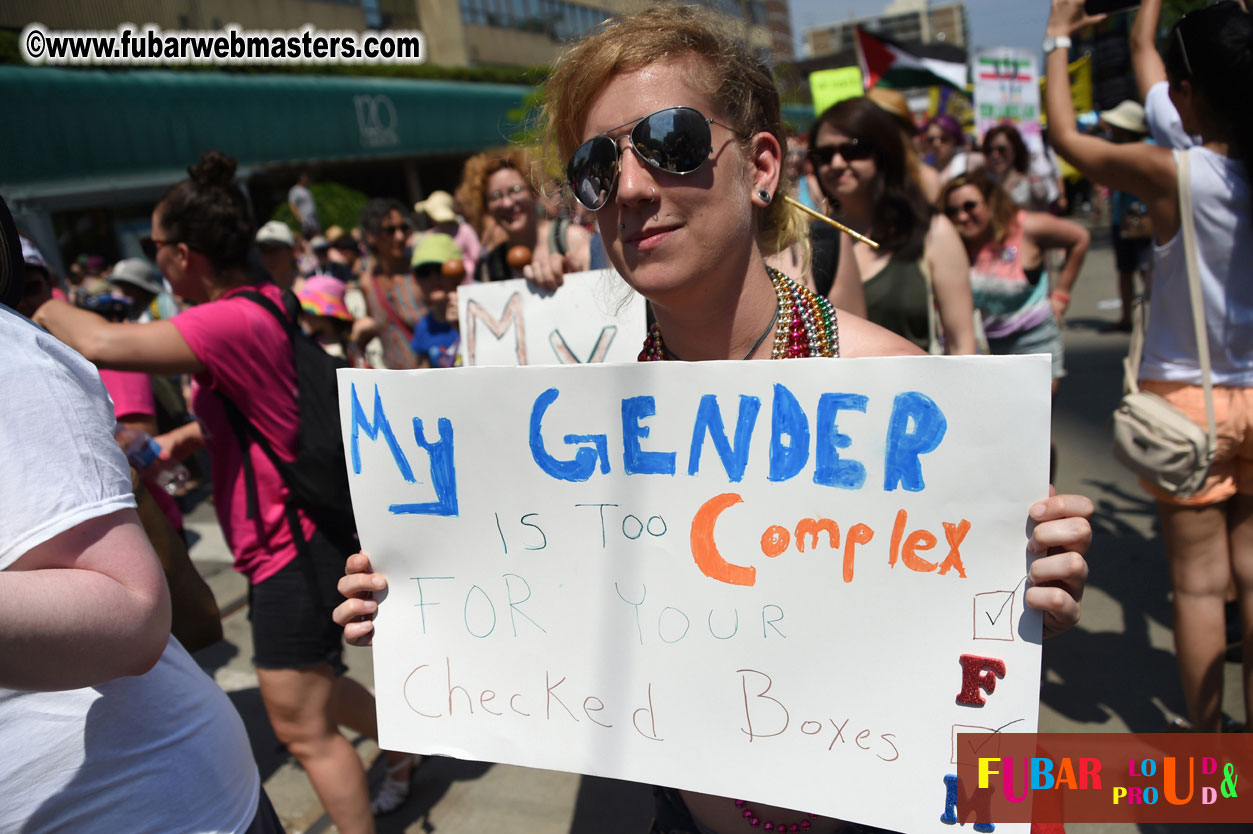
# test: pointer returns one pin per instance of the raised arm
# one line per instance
(1145, 59)
(156, 347)
(950, 276)
(86, 606)
(1143, 170)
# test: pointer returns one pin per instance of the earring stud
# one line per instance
(765, 195)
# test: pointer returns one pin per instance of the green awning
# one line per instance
(76, 128)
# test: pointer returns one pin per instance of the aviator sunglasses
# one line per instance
(675, 140)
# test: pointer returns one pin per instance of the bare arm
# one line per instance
(84, 607)
(950, 278)
(1145, 59)
(1143, 170)
(860, 338)
(847, 292)
(156, 347)
(1048, 232)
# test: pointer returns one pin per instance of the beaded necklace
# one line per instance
(806, 325)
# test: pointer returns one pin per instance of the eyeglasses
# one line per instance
(850, 151)
(1183, 49)
(937, 138)
(513, 191)
(151, 246)
(968, 207)
(675, 140)
(391, 230)
(1000, 150)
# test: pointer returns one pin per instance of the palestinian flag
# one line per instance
(884, 60)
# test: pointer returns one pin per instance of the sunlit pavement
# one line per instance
(1115, 672)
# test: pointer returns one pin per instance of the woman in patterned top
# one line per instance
(391, 292)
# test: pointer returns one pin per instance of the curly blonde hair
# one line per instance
(739, 85)
(472, 192)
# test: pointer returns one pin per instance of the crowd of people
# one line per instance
(676, 167)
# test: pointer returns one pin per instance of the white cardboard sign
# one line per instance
(764, 580)
(1007, 89)
(593, 317)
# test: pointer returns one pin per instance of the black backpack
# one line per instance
(318, 478)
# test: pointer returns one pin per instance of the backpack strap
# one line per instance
(246, 432)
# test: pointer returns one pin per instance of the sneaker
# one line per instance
(394, 789)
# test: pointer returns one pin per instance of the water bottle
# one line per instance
(144, 454)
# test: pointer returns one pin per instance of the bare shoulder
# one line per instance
(861, 338)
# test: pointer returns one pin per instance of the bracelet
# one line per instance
(1062, 295)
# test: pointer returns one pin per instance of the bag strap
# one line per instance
(246, 432)
(933, 336)
(390, 310)
(1194, 289)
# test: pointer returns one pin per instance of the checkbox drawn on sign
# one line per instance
(994, 614)
(974, 728)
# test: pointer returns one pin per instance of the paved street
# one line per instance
(1115, 672)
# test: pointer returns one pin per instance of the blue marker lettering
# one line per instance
(787, 419)
(709, 421)
(372, 429)
(636, 461)
(900, 462)
(584, 463)
(829, 469)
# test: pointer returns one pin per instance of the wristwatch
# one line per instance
(1056, 43)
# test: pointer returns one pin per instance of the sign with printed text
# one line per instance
(831, 86)
(789, 582)
(593, 317)
(1007, 89)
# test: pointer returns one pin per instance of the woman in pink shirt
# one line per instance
(238, 353)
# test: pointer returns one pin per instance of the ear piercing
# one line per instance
(765, 195)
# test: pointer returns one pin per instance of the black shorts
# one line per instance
(1130, 254)
(290, 611)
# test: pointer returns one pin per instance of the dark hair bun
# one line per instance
(214, 170)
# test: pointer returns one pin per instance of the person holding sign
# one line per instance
(673, 134)
(499, 186)
(1208, 535)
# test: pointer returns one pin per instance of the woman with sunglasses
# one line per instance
(1006, 246)
(499, 186)
(673, 134)
(392, 296)
(860, 157)
(1208, 63)
(236, 350)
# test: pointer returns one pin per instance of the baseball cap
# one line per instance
(435, 248)
(276, 232)
(137, 272)
(438, 207)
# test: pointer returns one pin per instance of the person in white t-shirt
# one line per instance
(1164, 124)
(106, 722)
(1208, 64)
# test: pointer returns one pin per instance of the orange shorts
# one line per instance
(1232, 471)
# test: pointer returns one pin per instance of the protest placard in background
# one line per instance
(831, 86)
(789, 582)
(1007, 89)
(593, 317)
